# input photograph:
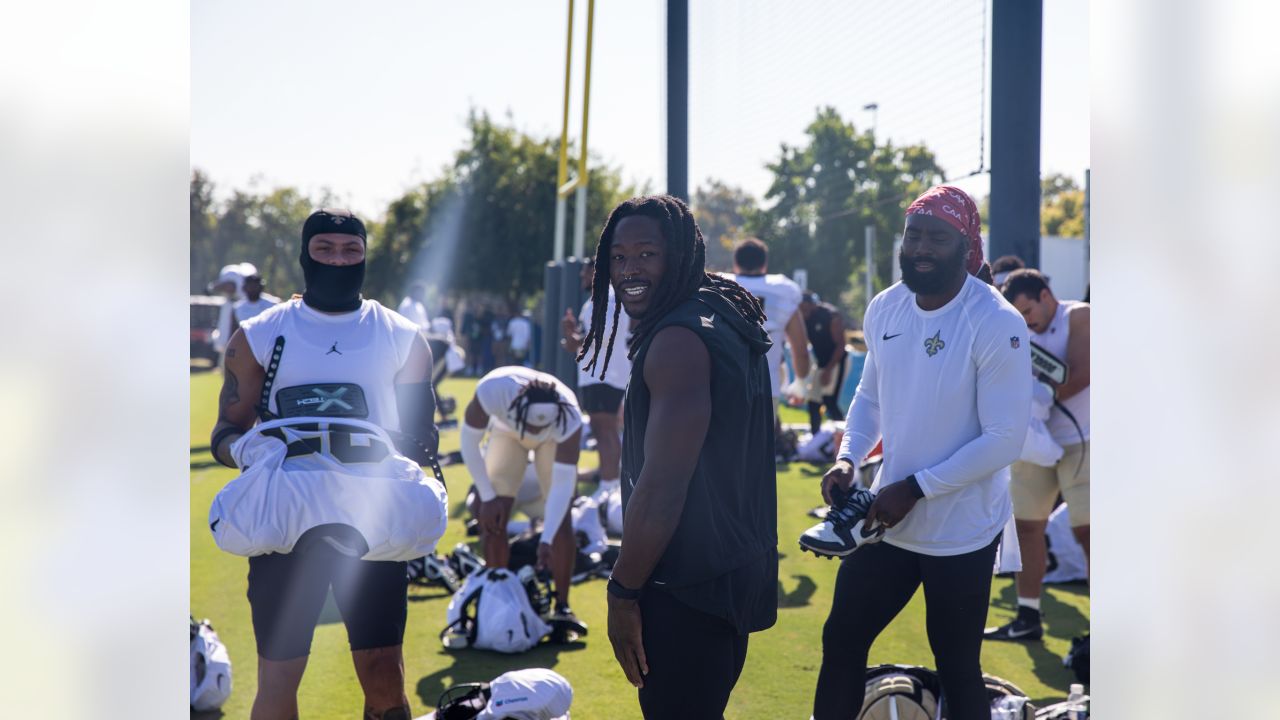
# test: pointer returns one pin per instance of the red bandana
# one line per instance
(954, 205)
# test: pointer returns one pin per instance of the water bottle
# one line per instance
(1076, 708)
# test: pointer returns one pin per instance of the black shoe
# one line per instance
(1024, 627)
(565, 626)
(844, 529)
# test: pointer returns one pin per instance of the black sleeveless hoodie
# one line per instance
(723, 555)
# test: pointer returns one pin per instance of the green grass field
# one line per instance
(782, 663)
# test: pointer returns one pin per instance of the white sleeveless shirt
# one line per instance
(780, 296)
(1054, 339)
(334, 365)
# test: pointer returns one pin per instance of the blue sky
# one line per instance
(368, 99)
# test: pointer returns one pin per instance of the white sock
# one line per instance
(1033, 603)
(611, 485)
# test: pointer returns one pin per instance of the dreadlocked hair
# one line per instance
(686, 255)
(538, 391)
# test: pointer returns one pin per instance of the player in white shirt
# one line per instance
(230, 285)
(780, 296)
(255, 302)
(945, 385)
(413, 308)
(519, 335)
(601, 390)
(329, 353)
(524, 410)
(1061, 328)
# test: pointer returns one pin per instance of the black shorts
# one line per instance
(600, 398)
(287, 593)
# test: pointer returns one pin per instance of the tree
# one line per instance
(827, 191)
(1055, 184)
(722, 215)
(1061, 206)
(203, 222)
(487, 224)
(264, 229)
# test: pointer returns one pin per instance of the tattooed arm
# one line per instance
(242, 379)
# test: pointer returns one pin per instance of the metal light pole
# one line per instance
(678, 98)
(870, 239)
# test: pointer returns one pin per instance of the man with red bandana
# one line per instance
(945, 386)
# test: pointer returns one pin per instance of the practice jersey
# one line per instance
(619, 364)
(947, 390)
(301, 474)
(246, 310)
(334, 365)
(780, 296)
(497, 390)
(1054, 339)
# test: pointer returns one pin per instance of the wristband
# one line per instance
(620, 591)
(916, 490)
(218, 437)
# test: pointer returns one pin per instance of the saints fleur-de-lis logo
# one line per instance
(934, 344)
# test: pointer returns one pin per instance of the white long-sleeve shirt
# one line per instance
(947, 390)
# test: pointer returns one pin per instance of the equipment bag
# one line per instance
(910, 692)
(340, 477)
(900, 692)
(1008, 702)
(492, 612)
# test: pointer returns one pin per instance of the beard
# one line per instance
(934, 281)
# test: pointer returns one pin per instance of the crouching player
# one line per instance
(524, 410)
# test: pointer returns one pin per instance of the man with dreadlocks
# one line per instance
(525, 411)
(698, 569)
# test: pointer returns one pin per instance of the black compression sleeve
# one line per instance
(416, 403)
(218, 439)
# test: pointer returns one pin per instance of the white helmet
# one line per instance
(210, 668)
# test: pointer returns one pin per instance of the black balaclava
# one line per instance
(331, 288)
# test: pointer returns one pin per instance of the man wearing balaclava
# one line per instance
(333, 353)
(945, 385)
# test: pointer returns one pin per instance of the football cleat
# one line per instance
(434, 570)
(464, 560)
(844, 529)
(565, 625)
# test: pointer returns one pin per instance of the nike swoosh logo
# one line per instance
(866, 532)
(887, 336)
(214, 526)
(1017, 634)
